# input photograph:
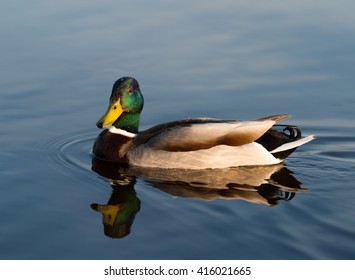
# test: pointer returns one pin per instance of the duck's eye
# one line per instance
(130, 90)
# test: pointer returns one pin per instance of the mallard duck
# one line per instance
(190, 143)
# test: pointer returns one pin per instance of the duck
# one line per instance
(193, 143)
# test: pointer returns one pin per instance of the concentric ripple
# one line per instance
(71, 153)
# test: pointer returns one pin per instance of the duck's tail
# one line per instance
(283, 143)
(292, 145)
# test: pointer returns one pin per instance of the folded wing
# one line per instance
(196, 134)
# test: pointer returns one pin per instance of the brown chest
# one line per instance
(111, 147)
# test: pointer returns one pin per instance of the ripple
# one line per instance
(340, 148)
(71, 152)
(348, 156)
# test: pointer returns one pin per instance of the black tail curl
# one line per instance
(278, 135)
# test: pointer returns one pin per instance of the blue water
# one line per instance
(225, 59)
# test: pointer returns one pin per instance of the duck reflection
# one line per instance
(121, 209)
(265, 185)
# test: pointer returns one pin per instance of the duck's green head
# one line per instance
(126, 104)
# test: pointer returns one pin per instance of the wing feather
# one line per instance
(196, 134)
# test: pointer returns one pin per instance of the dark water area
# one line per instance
(228, 60)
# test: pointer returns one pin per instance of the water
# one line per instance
(230, 59)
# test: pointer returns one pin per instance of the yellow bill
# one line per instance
(109, 212)
(113, 112)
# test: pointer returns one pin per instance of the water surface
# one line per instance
(229, 60)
